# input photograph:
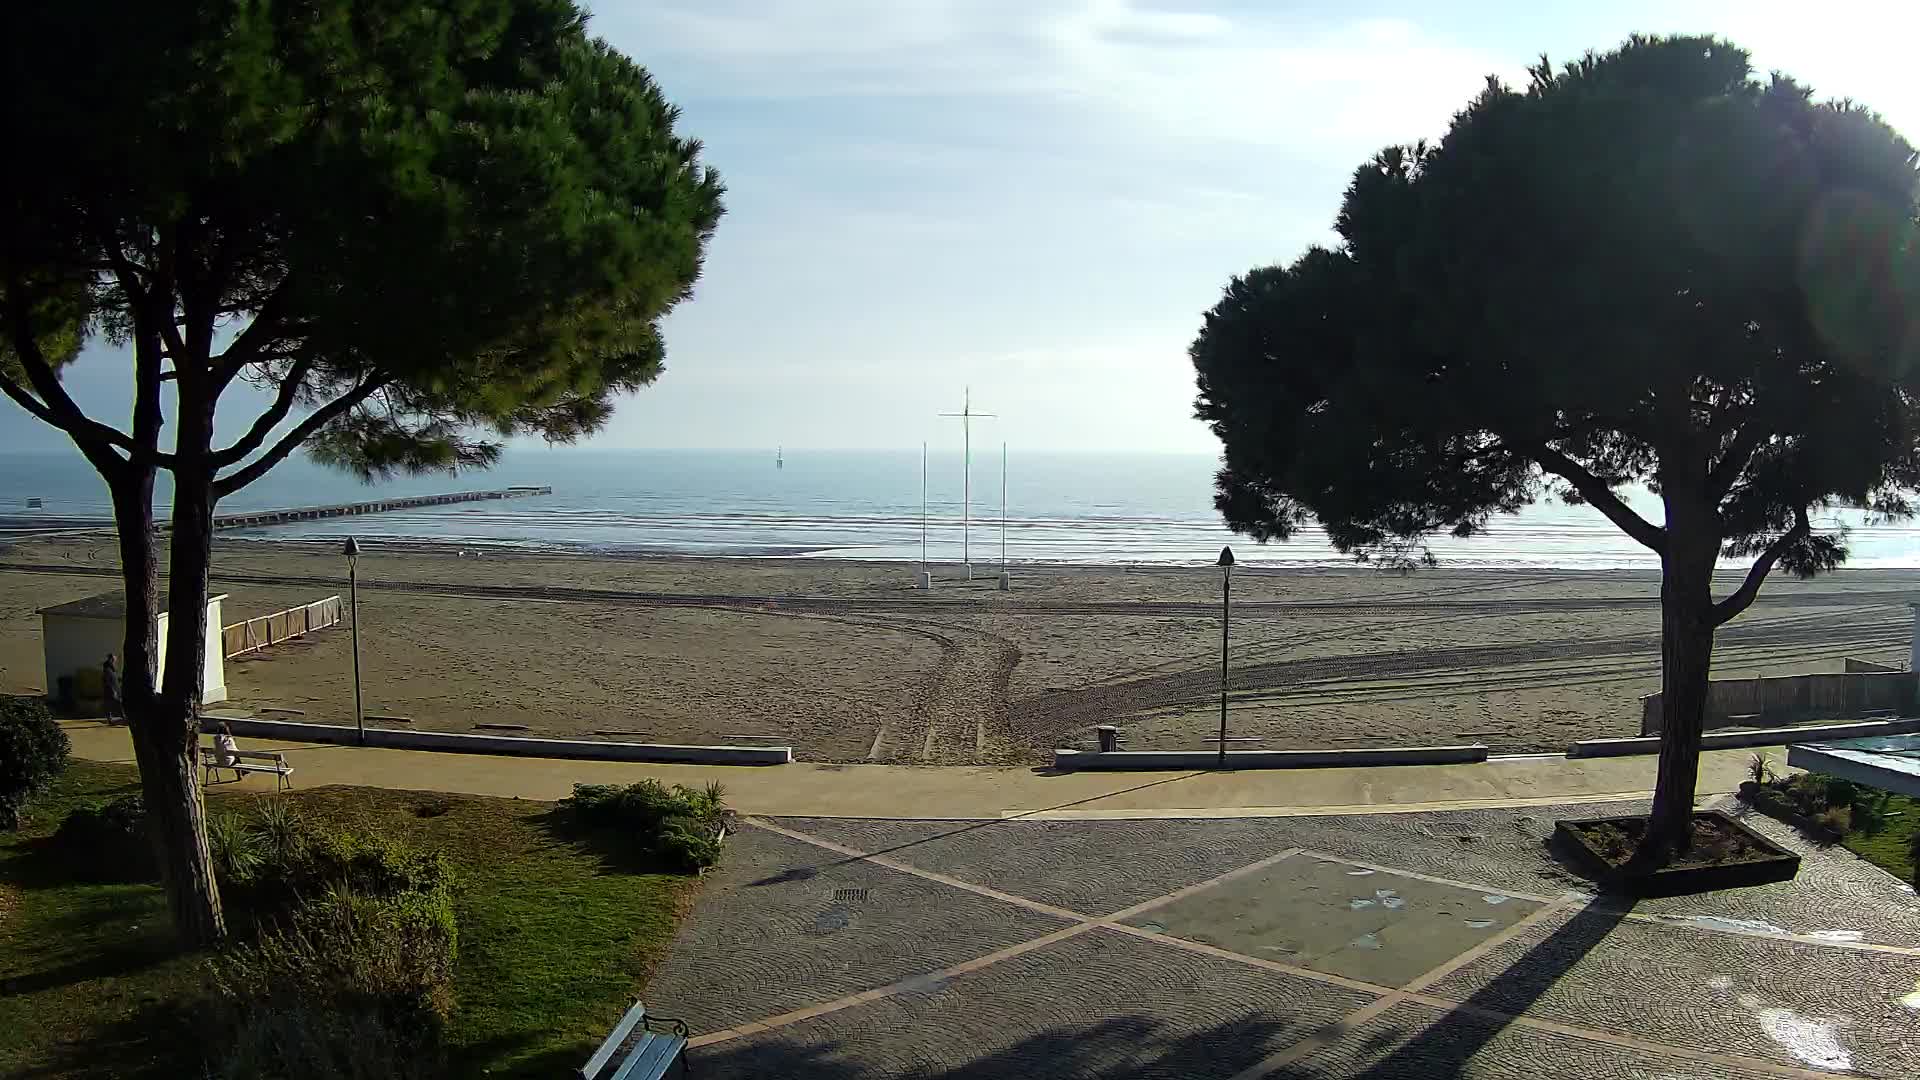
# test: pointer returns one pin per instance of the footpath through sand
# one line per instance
(985, 791)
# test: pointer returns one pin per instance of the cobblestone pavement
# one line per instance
(1393, 946)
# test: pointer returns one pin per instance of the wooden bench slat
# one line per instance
(613, 1042)
(652, 1058)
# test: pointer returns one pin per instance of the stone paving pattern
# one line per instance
(776, 932)
(1378, 927)
(1119, 863)
(1413, 1042)
(1115, 864)
(1097, 1004)
(770, 935)
(1703, 989)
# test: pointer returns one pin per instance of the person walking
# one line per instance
(110, 690)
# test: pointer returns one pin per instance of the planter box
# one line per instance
(1776, 864)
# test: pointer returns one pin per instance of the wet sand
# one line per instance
(849, 662)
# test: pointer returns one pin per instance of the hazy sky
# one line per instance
(1039, 198)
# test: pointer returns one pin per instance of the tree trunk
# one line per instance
(163, 746)
(1686, 658)
(181, 826)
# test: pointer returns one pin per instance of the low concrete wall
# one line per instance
(1268, 759)
(503, 744)
(1779, 700)
(1733, 740)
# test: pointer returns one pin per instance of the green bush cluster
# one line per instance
(1833, 806)
(108, 841)
(33, 750)
(350, 970)
(677, 827)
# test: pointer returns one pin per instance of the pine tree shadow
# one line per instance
(1447, 1047)
(1134, 1045)
(1117, 1048)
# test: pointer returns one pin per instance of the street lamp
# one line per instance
(352, 551)
(1225, 564)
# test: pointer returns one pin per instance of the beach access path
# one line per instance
(983, 791)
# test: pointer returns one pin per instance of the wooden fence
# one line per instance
(245, 637)
(1781, 700)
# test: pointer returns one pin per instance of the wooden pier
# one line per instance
(259, 518)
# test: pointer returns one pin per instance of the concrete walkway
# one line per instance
(1407, 946)
(980, 791)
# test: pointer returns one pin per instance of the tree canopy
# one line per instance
(1647, 267)
(412, 222)
(419, 227)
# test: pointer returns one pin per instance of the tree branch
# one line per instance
(1742, 598)
(1726, 471)
(248, 347)
(54, 406)
(301, 432)
(264, 424)
(1592, 489)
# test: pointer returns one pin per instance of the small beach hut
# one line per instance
(76, 636)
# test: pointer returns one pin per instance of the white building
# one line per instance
(78, 635)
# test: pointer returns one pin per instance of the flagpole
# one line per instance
(926, 578)
(965, 416)
(1005, 581)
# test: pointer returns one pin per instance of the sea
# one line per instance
(1096, 508)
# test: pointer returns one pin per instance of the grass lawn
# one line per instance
(555, 939)
(1888, 849)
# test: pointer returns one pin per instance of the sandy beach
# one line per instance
(848, 662)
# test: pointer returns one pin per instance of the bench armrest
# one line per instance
(678, 1027)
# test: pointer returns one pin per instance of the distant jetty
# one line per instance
(257, 518)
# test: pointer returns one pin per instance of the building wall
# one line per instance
(74, 643)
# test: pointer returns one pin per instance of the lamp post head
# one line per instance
(1226, 557)
(351, 549)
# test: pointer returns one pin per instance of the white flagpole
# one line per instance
(923, 509)
(966, 416)
(1003, 508)
(966, 486)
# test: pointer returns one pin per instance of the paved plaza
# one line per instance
(1411, 945)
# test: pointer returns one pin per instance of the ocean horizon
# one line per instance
(1091, 507)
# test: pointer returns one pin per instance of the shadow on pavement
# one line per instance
(1446, 1047)
(1119, 1048)
(1139, 1046)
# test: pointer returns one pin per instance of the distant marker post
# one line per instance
(1226, 610)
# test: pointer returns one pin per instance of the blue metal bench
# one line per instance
(649, 1053)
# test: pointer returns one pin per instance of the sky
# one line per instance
(1037, 199)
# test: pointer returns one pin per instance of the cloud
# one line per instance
(1348, 81)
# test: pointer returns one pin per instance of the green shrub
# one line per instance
(1841, 792)
(33, 750)
(238, 851)
(674, 826)
(352, 986)
(1913, 854)
(108, 841)
(1835, 821)
(299, 864)
(351, 973)
(282, 833)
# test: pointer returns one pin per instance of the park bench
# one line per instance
(649, 1053)
(246, 761)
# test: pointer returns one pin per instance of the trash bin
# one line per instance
(1109, 738)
